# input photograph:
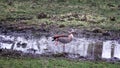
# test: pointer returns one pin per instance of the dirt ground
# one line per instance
(44, 29)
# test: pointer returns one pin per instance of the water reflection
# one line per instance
(78, 47)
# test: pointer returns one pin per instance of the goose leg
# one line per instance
(56, 43)
(63, 48)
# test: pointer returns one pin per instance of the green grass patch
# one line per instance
(97, 9)
(52, 63)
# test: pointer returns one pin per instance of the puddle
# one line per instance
(79, 47)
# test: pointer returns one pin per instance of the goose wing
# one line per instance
(64, 39)
(58, 36)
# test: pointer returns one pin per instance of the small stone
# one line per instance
(112, 18)
(98, 30)
(42, 15)
(62, 25)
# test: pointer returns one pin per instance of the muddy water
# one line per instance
(79, 47)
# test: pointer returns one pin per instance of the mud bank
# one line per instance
(44, 29)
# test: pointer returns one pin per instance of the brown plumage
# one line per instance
(55, 37)
(63, 39)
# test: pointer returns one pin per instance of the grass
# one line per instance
(52, 63)
(99, 11)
